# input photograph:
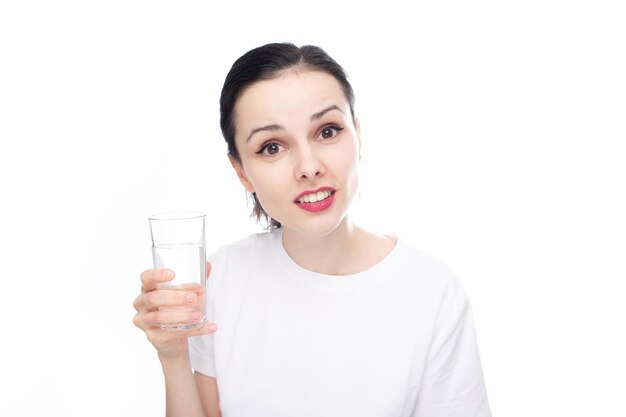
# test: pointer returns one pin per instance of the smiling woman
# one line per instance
(317, 316)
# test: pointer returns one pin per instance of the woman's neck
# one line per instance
(346, 250)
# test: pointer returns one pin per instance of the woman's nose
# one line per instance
(308, 166)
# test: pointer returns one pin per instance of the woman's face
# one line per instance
(299, 150)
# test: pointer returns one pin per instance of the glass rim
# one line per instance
(177, 215)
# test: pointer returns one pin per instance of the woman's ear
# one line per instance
(241, 174)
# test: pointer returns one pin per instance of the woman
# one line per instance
(318, 317)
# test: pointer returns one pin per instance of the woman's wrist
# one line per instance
(177, 361)
(181, 394)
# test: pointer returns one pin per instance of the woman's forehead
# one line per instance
(294, 94)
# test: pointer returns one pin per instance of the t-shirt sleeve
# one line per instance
(453, 384)
(201, 354)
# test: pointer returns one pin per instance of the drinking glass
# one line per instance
(178, 244)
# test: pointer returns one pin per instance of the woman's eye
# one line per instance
(330, 131)
(271, 148)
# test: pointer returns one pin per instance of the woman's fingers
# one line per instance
(206, 328)
(150, 278)
(208, 269)
(171, 316)
(160, 337)
(165, 298)
(156, 307)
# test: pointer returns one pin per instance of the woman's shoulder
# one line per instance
(252, 243)
(255, 240)
(417, 256)
(417, 264)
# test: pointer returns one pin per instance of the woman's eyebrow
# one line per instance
(275, 127)
(318, 115)
(264, 128)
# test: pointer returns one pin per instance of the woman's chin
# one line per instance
(316, 228)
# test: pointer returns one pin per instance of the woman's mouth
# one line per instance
(316, 200)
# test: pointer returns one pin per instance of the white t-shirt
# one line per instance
(396, 340)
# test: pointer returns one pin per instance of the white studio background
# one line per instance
(493, 139)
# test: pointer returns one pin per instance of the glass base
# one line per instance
(185, 326)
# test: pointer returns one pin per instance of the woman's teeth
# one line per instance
(315, 197)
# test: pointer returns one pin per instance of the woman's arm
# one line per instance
(182, 394)
(209, 396)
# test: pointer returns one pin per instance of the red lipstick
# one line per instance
(318, 205)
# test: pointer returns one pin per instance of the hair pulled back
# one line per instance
(264, 63)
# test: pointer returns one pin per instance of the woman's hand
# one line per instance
(170, 344)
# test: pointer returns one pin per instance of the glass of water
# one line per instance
(178, 244)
